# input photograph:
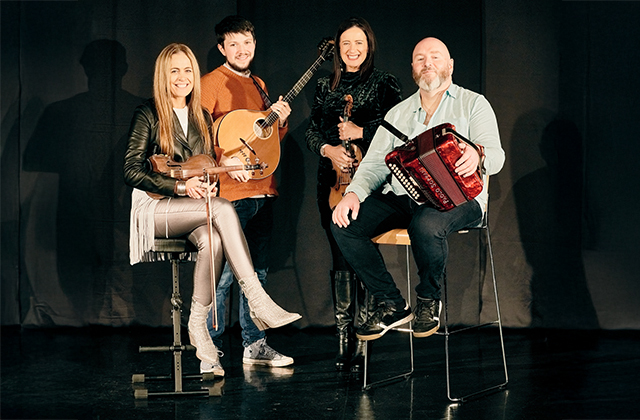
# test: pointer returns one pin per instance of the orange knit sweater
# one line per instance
(224, 91)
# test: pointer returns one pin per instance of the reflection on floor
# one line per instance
(86, 374)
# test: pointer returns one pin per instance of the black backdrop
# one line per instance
(558, 73)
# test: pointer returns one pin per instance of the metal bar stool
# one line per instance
(448, 332)
(176, 251)
(401, 237)
(393, 237)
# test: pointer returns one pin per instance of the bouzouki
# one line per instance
(196, 165)
(252, 136)
(343, 178)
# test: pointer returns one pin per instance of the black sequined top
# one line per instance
(372, 99)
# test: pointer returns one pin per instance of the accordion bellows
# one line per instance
(425, 166)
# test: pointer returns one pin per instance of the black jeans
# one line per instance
(428, 230)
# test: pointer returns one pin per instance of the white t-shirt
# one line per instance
(183, 117)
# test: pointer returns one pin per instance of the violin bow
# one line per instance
(214, 303)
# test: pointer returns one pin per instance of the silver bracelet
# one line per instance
(322, 150)
(181, 188)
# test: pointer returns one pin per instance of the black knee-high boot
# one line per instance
(366, 304)
(344, 311)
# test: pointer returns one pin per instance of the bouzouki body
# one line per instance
(243, 134)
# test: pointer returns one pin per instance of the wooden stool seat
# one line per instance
(393, 237)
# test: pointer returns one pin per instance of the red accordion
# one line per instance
(425, 166)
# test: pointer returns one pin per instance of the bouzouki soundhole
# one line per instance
(261, 129)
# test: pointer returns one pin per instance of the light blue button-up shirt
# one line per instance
(469, 112)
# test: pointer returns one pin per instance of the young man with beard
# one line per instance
(371, 205)
(228, 88)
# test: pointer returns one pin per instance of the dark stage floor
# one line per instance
(86, 374)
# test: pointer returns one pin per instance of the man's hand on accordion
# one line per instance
(349, 203)
(467, 165)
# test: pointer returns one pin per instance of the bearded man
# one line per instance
(374, 203)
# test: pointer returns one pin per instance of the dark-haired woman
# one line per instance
(374, 92)
(175, 124)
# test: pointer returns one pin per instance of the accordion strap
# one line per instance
(480, 149)
(399, 134)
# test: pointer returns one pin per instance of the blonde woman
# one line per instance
(174, 123)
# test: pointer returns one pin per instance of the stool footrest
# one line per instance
(470, 327)
(396, 378)
(185, 347)
(477, 394)
(141, 377)
(143, 394)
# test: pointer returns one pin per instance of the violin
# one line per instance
(343, 179)
(196, 165)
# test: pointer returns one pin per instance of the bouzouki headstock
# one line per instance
(326, 47)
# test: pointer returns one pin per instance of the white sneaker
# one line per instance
(215, 368)
(259, 353)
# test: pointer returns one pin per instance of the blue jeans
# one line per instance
(428, 230)
(256, 219)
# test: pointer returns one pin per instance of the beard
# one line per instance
(429, 86)
(238, 68)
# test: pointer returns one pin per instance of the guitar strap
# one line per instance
(265, 97)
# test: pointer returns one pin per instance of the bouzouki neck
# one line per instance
(301, 83)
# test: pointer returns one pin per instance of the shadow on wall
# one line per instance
(549, 206)
(83, 139)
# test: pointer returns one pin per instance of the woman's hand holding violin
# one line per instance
(340, 157)
(349, 131)
(197, 188)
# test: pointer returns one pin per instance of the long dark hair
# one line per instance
(367, 66)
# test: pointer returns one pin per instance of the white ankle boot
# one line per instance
(264, 312)
(199, 334)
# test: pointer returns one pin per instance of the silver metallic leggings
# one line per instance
(184, 216)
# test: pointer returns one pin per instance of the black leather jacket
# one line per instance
(144, 141)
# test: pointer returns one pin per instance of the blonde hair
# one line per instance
(164, 105)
